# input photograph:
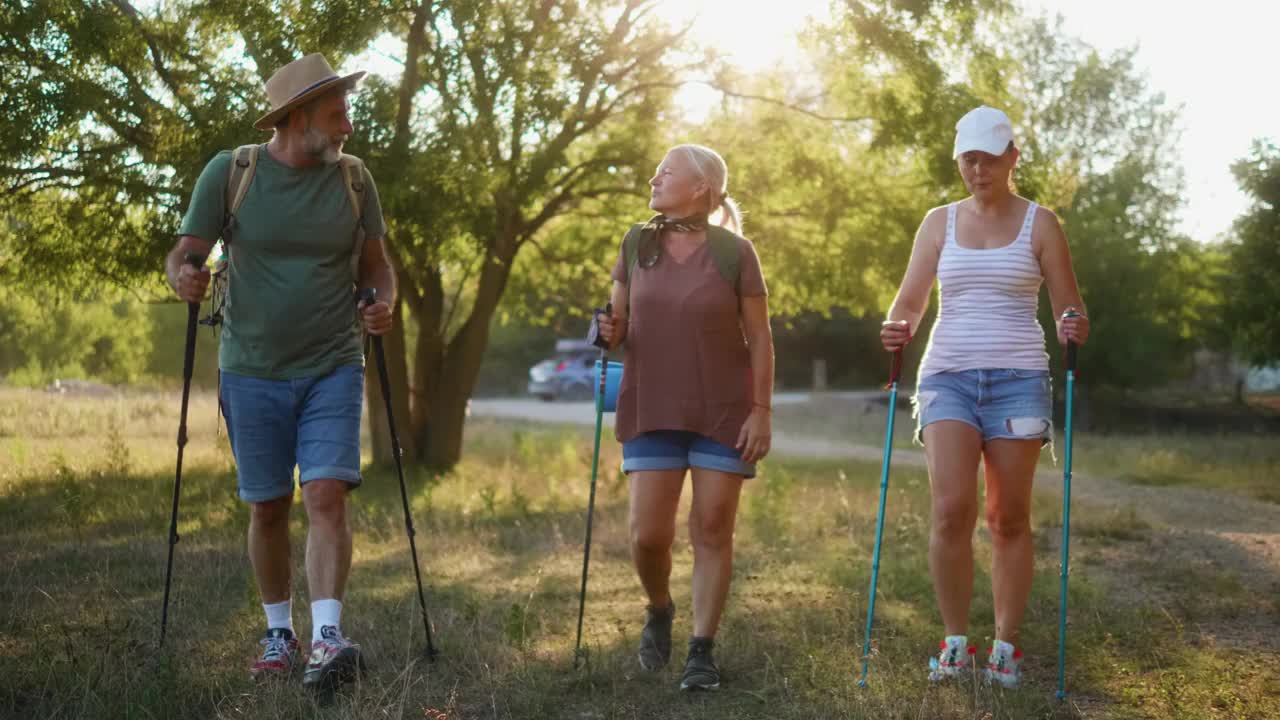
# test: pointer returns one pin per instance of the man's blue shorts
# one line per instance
(312, 423)
(680, 449)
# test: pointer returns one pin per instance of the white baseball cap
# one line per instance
(983, 128)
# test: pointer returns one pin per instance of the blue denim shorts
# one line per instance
(1000, 403)
(680, 449)
(274, 425)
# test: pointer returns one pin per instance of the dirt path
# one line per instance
(1228, 543)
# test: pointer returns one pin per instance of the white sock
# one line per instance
(324, 612)
(279, 615)
(954, 640)
(1002, 648)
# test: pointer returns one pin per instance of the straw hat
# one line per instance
(300, 81)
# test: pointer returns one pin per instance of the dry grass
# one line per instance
(84, 503)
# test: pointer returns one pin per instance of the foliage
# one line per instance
(1253, 280)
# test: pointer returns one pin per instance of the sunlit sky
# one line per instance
(1212, 59)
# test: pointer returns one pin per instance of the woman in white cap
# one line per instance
(983, 392)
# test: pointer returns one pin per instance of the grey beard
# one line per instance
(317, 145)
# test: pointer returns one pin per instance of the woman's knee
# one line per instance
(1009, 523)
(652, 535)
(954, 517)
(712, 528)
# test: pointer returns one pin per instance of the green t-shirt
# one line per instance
(290, 311)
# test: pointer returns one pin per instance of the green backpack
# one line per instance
(244, 161)
(723, 245)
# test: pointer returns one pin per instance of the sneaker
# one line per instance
(334, 660)
(277, 657)
(655, 638)
(1004, 666)
(700, 671)
(954, 659)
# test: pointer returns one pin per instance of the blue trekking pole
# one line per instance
(894, 374)
(1066, 519)
(599, 342)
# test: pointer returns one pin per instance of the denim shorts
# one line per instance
(680, 449)
(311, 422)
(1000, 403)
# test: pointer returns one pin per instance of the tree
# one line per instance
(508, 115)
(1253, 287)
(1097, 147)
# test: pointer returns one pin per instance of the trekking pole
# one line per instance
(1066, 519)
(370, 295)
(894, 374)
(195, 260)
(591, 499)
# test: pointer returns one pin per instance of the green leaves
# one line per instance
(1253, 282)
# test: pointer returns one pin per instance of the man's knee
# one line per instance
(326, 499)
(271, 514)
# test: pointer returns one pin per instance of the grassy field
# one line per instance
(85, 487)
(1243, 463)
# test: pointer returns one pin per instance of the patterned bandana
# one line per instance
(651, 235)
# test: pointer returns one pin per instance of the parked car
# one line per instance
(567, 375)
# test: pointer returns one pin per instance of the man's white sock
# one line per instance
(279, 615)
(327, 612)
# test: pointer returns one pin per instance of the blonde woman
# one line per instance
(983, 392)
(689, 300)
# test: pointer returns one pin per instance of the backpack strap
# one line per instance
(631, 250)
(724, 246)
(353, 179)
(726, 254)
(244, 160)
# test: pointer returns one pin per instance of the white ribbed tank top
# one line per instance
(987, 301)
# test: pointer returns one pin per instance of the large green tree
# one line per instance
(505, 116)
(1253, 287)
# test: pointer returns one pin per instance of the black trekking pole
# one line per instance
(595, 339)
(188, 361)
(370, 295)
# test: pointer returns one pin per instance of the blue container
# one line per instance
(613, 377)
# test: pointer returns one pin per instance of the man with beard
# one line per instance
(303, 229)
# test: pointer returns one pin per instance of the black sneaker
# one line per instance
(700, 671)
(655, 638)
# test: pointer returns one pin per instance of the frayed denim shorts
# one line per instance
(1000, 403)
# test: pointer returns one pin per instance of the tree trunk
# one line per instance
(451, 375)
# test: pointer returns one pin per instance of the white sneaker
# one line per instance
(1004, 666)
(954, 660)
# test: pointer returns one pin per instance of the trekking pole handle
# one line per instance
(195, 260)
(1071, 346)
(368, 295)
(895, 371)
